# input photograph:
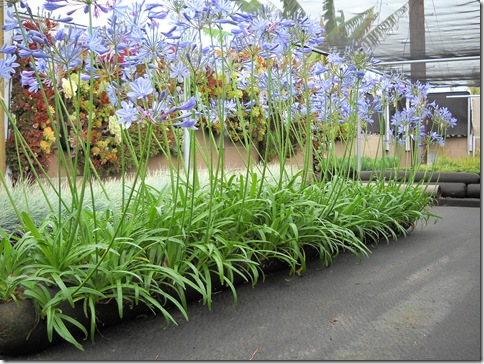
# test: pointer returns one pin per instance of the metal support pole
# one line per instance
(469, 136)
(387, 127)
(186, 133)
(358, 147)
(186, 149)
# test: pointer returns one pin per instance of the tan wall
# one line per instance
(294, 163)
(161, 162)
(478, 145)
(236, 155)
(155, 163)
(476, 122)
(476, 115)
(372, 146)
(454, 148)
(53, 169)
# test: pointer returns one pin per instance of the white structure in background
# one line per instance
(462, 104)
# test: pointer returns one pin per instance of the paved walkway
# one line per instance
(414, 299)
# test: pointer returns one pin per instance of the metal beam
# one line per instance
(461, 96)
(429, 60)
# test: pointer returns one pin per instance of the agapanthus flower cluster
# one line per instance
(155, 58)
(72, 6)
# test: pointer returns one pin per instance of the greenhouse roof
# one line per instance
(435, 41)
(445, 34)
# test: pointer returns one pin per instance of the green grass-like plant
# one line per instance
(158, 250)
(447, 164)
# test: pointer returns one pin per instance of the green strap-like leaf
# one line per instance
(31, 226)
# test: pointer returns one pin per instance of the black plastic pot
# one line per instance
(23, 332)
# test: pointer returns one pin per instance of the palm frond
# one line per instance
(251, 7)
(359, 33)
(379, 33)
(356, 21)
(292, 8)
(346, 31)
(329, 16)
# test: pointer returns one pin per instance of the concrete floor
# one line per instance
(418, 298)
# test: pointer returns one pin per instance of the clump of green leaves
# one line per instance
(151, 252)
(446, 164)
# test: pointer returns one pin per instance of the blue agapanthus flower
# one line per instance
(127, 114)
(187, 123)
(140, 88)
(7, 66)
(28, 79)
(179, 71)
(94, 41)
(10, 22)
